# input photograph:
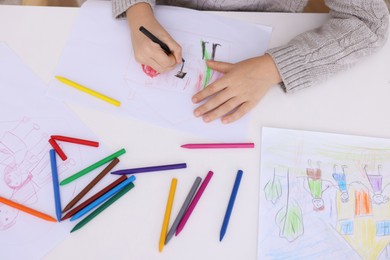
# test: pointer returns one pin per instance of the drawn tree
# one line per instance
(289, 218)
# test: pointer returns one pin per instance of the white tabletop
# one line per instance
(353, 102)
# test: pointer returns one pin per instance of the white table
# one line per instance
(355, 102)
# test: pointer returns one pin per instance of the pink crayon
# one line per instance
(191, 207)
(218, 145)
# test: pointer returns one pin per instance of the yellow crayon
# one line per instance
(89, 91)
(167, 214)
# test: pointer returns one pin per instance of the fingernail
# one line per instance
(197, 113)
(225, 121)
(194, 100)
(206, 119)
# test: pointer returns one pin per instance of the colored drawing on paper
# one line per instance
(326, 195)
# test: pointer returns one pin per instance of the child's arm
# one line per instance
(145, 50)
(356, 29)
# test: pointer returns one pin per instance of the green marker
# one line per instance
(103, 207)
(92, 167)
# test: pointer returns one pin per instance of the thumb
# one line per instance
(219, 66)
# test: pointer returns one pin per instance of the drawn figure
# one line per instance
(289, 218)
(273, 189)
(314, 183)
(341, 183)
(375, 181)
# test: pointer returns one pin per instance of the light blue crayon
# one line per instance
(103, 198)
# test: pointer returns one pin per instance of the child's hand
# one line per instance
(238, 91)
(145, 50)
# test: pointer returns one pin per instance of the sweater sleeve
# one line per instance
(119, 7)
(356, 28)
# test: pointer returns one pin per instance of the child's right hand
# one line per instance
(145, 50)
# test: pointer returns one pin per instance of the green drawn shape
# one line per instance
(273, 190)
(315, 187)
(289, 220)
(208, 71)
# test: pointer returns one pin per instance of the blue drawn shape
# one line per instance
(346, 227)
(341, 181)
(383, 228)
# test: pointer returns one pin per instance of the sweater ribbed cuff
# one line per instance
(119, 8)
(292, 68)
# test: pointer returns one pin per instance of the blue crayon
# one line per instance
(230, 205)
(104, 197)
(56, 187)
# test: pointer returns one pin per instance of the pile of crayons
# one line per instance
(188, 207)
(115, 190)
(102, 199)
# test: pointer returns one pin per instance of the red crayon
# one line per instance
(75, 140)
(58, 149)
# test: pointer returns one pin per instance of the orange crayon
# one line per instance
(27, 209)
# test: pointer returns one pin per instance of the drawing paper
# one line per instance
(99, 55)
(27, 120)
(323, 196)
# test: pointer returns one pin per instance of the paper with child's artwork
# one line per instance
(27, 120)
(323, 196)
(99, 55)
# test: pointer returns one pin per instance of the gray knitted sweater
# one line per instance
(356, 28)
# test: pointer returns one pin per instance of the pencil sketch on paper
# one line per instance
(337, 207)
(24, 165)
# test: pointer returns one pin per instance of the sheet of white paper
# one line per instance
(323, 196)
(99, 55)
(27, 120)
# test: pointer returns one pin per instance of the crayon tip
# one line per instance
(66, 208)
(52, 219)
(65, 217)
(74, 229)
(178, 230)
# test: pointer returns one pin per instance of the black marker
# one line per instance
(180, 74)
(156, 40)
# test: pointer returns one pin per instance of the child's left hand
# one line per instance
(238, 91)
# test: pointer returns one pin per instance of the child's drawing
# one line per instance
(338, 208)
(24, 165)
